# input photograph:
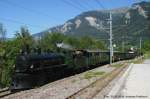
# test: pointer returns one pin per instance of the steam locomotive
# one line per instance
(36, 69)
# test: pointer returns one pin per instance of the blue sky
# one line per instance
(39, 15)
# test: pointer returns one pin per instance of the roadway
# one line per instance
(134, 83)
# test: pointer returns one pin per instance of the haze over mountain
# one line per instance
(128, 23)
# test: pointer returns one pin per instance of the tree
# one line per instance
(24, 38)
(99, 45)
(86, 42)
(2, 39)
(10, 49)
(2, 50)
(146, 46)
(50, 40)
(74, 42)
(2, 33)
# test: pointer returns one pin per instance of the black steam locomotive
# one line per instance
(36, 69)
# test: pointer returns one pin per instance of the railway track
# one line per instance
(5, 92)
(4, 89)
(94, 88)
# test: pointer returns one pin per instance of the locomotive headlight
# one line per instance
(32, 66)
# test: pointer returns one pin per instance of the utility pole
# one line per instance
(123, 45)
(140, 45)
(111, 47)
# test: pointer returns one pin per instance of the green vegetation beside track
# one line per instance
(90, 74)
(117, 65)
(147, 55)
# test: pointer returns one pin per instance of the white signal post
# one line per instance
(111, 47)
(140, 45)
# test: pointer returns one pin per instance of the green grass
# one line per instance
(147, 55)
(90, 74)
(117, 65)
(136, 61)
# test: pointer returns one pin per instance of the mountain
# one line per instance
(128, 23)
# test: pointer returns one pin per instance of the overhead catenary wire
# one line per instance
(80, 4)
(27, 9)
(72, 5)
(84, 4)
(33, 11)
(88, 5)
(21, 23)
(100, 4)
